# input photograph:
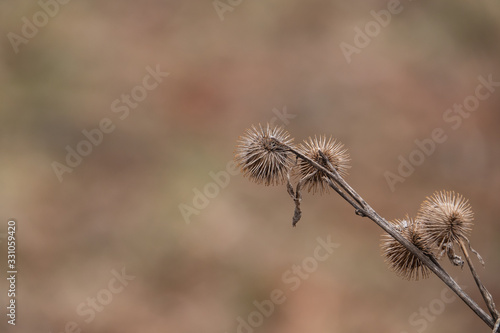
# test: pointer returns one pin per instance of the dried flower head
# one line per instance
(446, 218)
(399, 258)
(263, 156)
(333, 151)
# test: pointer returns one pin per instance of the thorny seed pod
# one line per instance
(399, 258)
(263, 156)
(446, 219)
(333, 151)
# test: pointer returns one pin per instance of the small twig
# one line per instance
(488, 299)
(289, 186)
(297, 197)
(496, 328)
(358, 210)
(476, 253)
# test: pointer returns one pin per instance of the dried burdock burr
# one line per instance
(402, 261)
(263, 155)
(446, 219)
(335, 154)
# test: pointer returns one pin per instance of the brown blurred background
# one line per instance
(120, 208)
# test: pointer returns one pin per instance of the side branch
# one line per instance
(488, 299)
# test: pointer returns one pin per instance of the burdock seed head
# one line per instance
(335, 153)
(263, 156)
(399, 258)
(446, 219)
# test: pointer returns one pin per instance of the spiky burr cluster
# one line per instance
(263, 156)
(335, 154)
(266, 156)
(399, 258)
(446, 218)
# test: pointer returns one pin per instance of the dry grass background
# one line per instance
(120, 207)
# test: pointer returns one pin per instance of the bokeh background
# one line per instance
(120, 208)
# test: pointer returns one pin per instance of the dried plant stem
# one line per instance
(488, 299)
(297, 196)
(363, 209)
(342, 194)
